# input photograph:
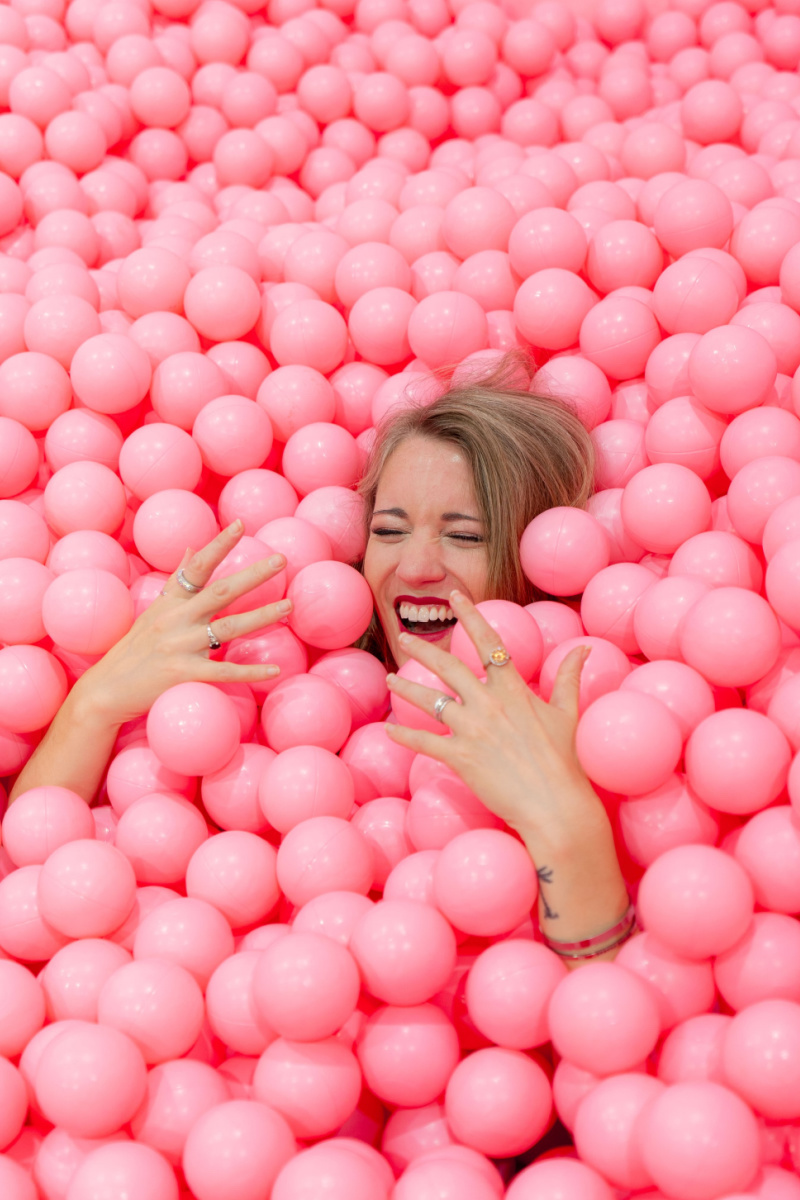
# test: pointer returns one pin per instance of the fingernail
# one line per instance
(273, 670)
(236, 526)
(457, 596)
(276, 561)
(404, 637)
(390, 677)
(284, 606)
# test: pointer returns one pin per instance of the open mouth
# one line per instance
(426, 616)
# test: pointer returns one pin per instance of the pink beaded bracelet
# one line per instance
(601, 943)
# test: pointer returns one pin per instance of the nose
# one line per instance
(420, 560)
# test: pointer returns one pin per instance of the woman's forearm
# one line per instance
(75, 751)
(582, 891)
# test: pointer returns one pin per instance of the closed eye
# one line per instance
(472, 538)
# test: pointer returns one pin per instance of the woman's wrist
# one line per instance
(92, 707)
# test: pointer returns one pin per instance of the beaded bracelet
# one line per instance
(601, 943)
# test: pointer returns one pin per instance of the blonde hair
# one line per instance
(527, 452)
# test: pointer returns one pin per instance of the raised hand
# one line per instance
(169, 643)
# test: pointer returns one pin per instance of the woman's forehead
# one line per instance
(422, 469)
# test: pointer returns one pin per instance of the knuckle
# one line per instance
(221, 589)
(223, 628)
(225, 672)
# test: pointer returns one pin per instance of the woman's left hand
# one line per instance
(514, 750)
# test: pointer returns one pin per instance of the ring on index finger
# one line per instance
(499, 657)
(186, 584)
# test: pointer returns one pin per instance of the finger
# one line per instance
(223, 592)
(422, 742)
(447, 667)
(211, 671)
(485, 640)
(425, 698)
(567, 683)
(198, 567)
(225, 629)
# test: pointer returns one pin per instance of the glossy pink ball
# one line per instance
(240, 1143)
(732, 369)
(74, 977)
(110, 373)
(233, 435)
(562, 549)
(606, 1128)
(669, 1130)
(767, 849)
(407, 1053)
(406, 951)
(90, 1080)
(158, 834)
(447, 326)
(332, 914)
(87, 611)
(498, 1101)
(189, 932)
(42, 819)
(157, 457)
(86, 888)
(305, 987)
(303, 782)
(683, 988)
(763, 964)
(485, 882)
(309, 333)
(193, 728)
(663, 505)
(306, 710)
(603, 671)
(603, 1018)
(157, 1004)
(341, 858)
(322, 589)
(731, 636)
(550, 307)
(697, 900)
(628, 743)
(508, 990)
(135, 772)
(618, 335)
(222, 302)
(22, 1007)
(693, 214)
(23, 585)
(737, 761)
(562, 1178)
(84, 495)
(247, 552)
(315, 1086)
(235, 871)
(684, 692)
(178, 1094)
(169, 521)
(33, 685)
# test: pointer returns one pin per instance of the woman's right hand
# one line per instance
(169, 644)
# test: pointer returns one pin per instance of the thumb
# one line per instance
(567, 684)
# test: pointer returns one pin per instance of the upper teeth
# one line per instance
(425, 612)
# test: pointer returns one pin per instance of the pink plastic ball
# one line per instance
(84, 495)
(762, 965)
(110, 373)
(178, 1094)
(603, 1018)
(158, 457)
(42, 819)
(135, 772)
(341, 858)
(447, 326)
(351, 1169)
(767, 849)
(508, 990)
(407, 1053)
(332, 914)
(193, 728)
(723, 1124)
(484, 882)
(295, 396)
(33, 686)
(696, 900)
(235, 871)
(230, 1009)
(158, 835)
(87, 611)
(19, 457)
(321, 589)
(406, 951)
(305, 781)
(24, 933)
(737, 761)
(86, 888)
(562, 549)
(315, 1086)
(81, 433)
(222, 302)
(558, 1179)
(183, 382)
(670, 815)
(23, 584)
(606, 1128)
(731, 636)
(550, 307)
(498, 1101)
(684, 692)
(167, 522)
(609, 603)
(230, 795)
(320, 455)
(691, 215)
(618, 335)
(731, 369)
(603, 671)
(305, 987)
(379, 766)
(628, 743)
(157, 1004)
(241, 1144)
(309, 333)
(306, 710)
(693, 295)
(363, 679)
(22, 1008)
(233, 435)
(90, 1080)
(663, 505)
(683, 988)
(74, 977)
(189, 932)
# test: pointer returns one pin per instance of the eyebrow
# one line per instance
(403, 515)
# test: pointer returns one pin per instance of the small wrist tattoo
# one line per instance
(545, 875)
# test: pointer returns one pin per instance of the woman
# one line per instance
(448, 489)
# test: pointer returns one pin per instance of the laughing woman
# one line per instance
(448, 490)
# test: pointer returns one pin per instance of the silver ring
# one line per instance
(498, 658)
(193, 588)
(440, 706)
(213, 641)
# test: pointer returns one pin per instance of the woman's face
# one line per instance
(426, 539)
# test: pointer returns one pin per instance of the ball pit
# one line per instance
(282, 956)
